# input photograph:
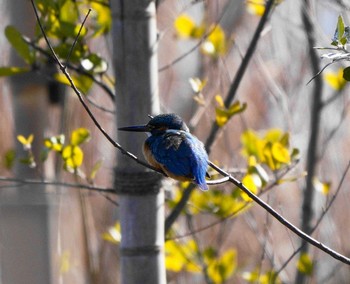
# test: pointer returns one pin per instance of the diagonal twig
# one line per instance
(63, 68)
(282, 220)
(215, 128)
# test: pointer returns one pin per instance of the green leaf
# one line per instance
(343, 40)
(44, 153)
(340, 27)
(9, 71)
(79, 136)
(63, 49)
(18, 43)
(346, 73)
(9, 160)
(94, 63)
(72, 30)
(68, 12)
(29, 161)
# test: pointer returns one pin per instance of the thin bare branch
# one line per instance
(57, 183)
(319, 72)
(282, 220)
(215, 128)
(330, 203)
(77, 37)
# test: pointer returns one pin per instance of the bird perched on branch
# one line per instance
(172, 149)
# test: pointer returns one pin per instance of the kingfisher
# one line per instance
(171, 148)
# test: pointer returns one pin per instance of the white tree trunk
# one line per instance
(141, 198)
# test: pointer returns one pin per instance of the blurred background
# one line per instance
(72, 234)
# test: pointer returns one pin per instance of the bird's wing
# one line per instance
(174, 154)
(181, 155)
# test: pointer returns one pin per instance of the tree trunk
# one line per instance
(141, 197)
(25, 210)
(307, 213)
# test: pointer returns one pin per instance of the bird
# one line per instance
(172, 149)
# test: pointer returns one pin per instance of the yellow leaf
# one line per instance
(174, 260)
(82, 82)
(113, 234)
(22, 139)
(221, 117)
(280, 153)
(251, 277)
(305, 264)
(335, 79)
(271, 150)
(252, 161)
(103, 18)
(79, 136)
(199, 202)
(184, 26)
(273, 135)
(215, 45)
(94, 170)
(26, 142)
(253, 145)
(220, 101)
(268, 157)
(73, 156)
(197, 84)
(223, 114)
(219, 270)
(255, 276)
(252, 182)
(181, 256)
(55, 143)
(271, 277)
(323, 187)
(256, 7)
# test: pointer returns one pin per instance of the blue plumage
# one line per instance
(173, 149)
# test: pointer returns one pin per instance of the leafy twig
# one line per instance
(82, 101)
(101, 84)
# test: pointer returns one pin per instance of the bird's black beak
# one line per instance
(136, 128)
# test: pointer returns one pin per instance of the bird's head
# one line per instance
(159, 124)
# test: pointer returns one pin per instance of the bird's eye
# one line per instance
(162, 128)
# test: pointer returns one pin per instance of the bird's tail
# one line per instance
(202, 185)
